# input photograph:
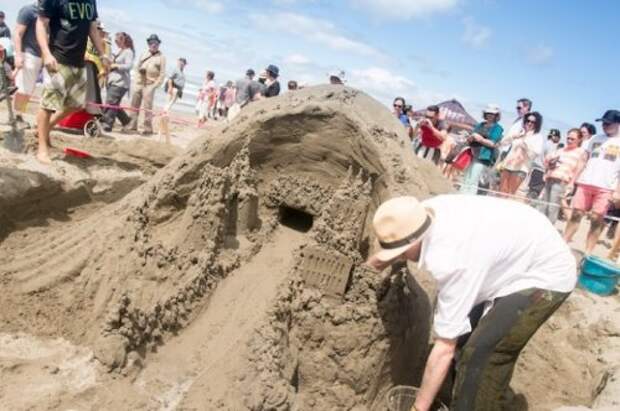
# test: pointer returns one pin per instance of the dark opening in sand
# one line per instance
(296, 219)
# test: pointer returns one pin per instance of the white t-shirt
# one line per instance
(603, 167)
(480, 248)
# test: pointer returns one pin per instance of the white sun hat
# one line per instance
(399, 224)
(491, 109)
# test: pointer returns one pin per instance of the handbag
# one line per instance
(463, 159)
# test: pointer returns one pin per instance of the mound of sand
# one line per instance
(233, 279)
(301, 172)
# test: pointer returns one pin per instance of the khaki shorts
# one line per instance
(26, 78)
(64, 89)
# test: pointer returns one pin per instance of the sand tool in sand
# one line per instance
(14, 138)
(402, 398)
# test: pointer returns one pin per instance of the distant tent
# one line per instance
(455, 114)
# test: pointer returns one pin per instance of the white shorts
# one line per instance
(26, 78)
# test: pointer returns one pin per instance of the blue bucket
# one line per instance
(598, 275)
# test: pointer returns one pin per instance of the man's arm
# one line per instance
(20, 30)
(162, 72)
(437, 367)
(97, 40)
(42, 32)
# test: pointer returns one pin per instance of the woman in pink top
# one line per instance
(562, 169)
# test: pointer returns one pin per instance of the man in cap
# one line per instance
(4, 29)
(599, 182)
(272, 84)
(176, 83)
(490, 256)
(62, 34)
(150, 73)
(247, 88)
(536, 183)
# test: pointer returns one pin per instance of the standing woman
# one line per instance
(525, 147)
(119, 81)
(562, 169)
(483, 142)
(588, 131)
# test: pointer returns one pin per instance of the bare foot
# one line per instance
(44, 158)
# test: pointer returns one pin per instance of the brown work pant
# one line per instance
(143, 95)
(486, 363)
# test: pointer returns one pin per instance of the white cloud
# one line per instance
(540, 54)
(210, 6)
(316, 30)
(297, 58)
(405, 9)
(475, 35)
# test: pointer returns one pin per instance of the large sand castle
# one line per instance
(232, 279)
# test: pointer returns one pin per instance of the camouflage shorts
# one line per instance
(64, 89)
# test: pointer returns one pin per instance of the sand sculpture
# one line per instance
(233, 278)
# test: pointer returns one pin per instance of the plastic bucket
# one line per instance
(598, 275)
(402, 398)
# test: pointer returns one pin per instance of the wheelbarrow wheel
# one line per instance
(92, 129)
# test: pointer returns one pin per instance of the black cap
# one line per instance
(1, 14)
(274, 70)
(183, 60)
(610, 116)
(250, 72)
(554, 132)
(153, 38)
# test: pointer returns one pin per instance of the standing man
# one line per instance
(63, 28)
(432, 131)
(488, 255)
(524, 107)
(272, 84)
(599, 183)
(4, 29)
(150, 73)
(28, 61)
(176, 83)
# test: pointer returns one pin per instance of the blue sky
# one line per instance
(563, 54)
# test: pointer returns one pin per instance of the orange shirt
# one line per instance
(567, 161)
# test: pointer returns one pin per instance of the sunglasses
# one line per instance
(520, 108)
(398, 105)
(530, 121)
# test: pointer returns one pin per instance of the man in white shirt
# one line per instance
(599, 182)
(481, 251)
(524, 106)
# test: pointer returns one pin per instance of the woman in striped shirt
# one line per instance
(562, 169)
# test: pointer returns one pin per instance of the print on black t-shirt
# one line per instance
(69, 27)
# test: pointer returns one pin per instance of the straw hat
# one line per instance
(399, 224)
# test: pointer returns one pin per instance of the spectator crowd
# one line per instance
(563, 178)
(71, 50)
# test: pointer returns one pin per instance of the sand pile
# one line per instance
(233, 278)
(299, 174)
(31, 191)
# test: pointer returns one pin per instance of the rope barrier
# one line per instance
(526, 199)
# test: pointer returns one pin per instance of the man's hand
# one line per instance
(107, 64)
(377, 264)
(50, 63)
(19, 61)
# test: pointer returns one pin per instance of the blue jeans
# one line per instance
(471, 178)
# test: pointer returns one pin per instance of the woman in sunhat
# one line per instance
(484, 252)
(483, 142)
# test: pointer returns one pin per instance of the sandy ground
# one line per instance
(164, 298)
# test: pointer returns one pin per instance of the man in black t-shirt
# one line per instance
(63, 29)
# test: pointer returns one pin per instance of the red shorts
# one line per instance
(589, 198)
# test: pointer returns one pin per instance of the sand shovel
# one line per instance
(14, 138)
